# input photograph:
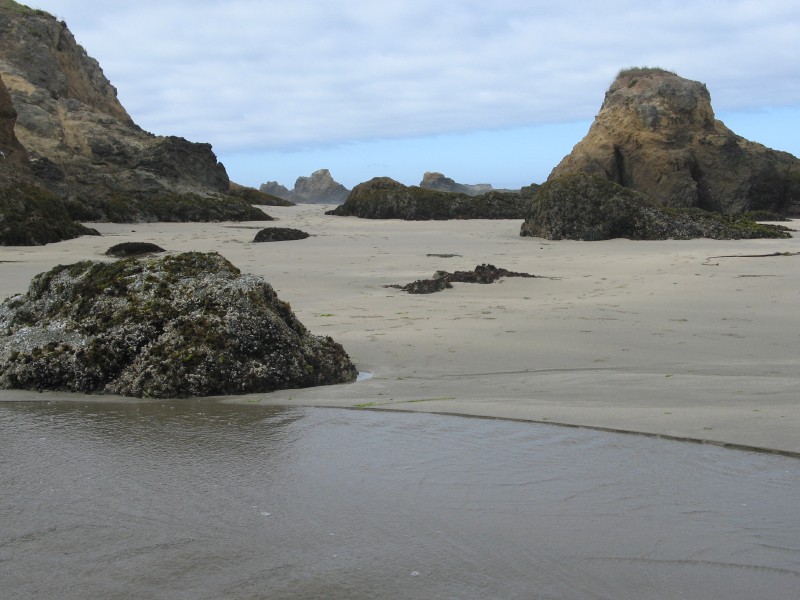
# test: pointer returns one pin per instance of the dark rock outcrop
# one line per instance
(656, 133)
(385, 198)
(83, 145)
(319, 188)
(279, 234)
(128, 249)
(584, 207)
(254, 196)
(183, 325)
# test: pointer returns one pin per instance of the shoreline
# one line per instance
(638, 337)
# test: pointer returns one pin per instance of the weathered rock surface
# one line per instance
(183, 325)
(319, 188)
(385, 198)
(656, 133)
(254, 196)
(280, 234)
(29, 214)
(443, 280)
(590, 207)
(83, 145)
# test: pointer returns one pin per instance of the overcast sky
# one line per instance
(485, 91)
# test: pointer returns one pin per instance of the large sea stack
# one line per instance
(83, 145)
(656, 133)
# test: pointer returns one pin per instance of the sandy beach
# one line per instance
(698, 340)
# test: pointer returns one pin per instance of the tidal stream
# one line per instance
(203, 500)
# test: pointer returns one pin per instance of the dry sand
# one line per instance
(672, 338)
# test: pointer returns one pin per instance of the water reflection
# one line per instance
(196, 499)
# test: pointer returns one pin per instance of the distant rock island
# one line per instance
(437, 181)
(385, 198)
(656, 133)
(84, 148)
(319, 188)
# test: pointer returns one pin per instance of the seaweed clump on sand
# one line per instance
(443, 280)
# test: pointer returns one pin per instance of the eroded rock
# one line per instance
(656, 133)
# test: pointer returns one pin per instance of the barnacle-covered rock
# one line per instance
(183, 325)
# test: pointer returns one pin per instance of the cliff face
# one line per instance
(82, 143)
(13, 157)
(656, 133)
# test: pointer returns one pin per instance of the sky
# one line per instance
(483, 91)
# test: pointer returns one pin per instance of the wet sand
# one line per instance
(695, 339)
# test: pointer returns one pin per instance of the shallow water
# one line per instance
(194, 500)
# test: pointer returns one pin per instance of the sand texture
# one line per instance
(693, 339)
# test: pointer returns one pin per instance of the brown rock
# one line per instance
(656, 133)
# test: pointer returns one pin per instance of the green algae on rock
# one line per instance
(590, 207)
(176, 326)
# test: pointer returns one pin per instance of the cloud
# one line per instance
(269, 75)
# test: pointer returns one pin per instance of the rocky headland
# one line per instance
(84, 147)
(656, 133)
(183, 325)
(318, 188)
(385, 198)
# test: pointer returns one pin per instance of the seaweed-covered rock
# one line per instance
(583, 207)
(385, 198)
(128, 249)
(175, 326)
(280, 234)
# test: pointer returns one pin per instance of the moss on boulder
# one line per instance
(183, 325)
(585, 207)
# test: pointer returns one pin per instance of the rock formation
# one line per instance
(279, 234)
(82, 143)
(590, 207)
(29, 214)
(656, 133)
(319, 188)
(184, 325)
(437, 181)
(385, 198)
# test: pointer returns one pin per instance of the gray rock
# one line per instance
(184, 325)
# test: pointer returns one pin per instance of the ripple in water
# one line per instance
(193, 499)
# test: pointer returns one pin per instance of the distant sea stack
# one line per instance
(319, 188)
(437, 181)
(656, 133)
(385, 198)
(82, 143)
